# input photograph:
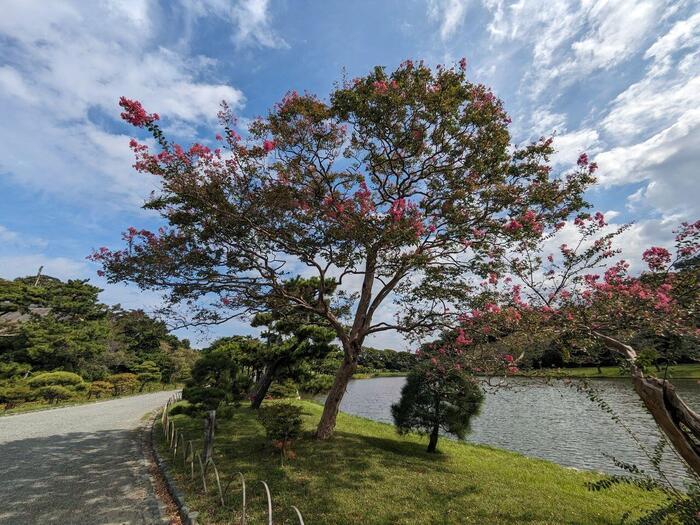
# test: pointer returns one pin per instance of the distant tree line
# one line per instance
(58, 341)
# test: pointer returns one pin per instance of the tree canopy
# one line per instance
(399, 186)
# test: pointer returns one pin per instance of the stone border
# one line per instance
(188, 517)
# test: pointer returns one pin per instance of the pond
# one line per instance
(548, 420)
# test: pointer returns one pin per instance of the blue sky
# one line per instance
(619, 79)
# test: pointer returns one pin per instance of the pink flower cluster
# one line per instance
(657, 258)
(135, 114)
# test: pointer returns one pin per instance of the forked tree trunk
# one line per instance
(263, 386)
(335, 396)
(680, 424)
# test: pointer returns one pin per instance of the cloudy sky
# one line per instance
(619, 79)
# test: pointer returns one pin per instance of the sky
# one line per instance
(619, 79)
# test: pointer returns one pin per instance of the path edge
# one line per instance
(188, 517)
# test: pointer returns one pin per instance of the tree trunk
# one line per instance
(335, 396)
(263, 386)
(432, 444)
(209, 426)
(680, 424)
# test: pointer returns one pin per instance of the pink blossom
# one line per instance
(657, 258)
(135, 114)
(269, 145)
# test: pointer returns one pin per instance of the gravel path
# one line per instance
(77, 465)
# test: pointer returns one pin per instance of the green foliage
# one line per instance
(282, 421)
(203, 399)
(123, 383)
(316, 383)
(100, 388)
(55, 393)
(147, 372)
(283, 390)
(55, 378)
(12, 370)
(432, 401)
(51, 342)
(12, 394)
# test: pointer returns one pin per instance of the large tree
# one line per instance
(398, 187)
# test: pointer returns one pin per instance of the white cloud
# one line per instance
(449, 13)
(569, 40)
(617, 29)
(13, 239)
(251, 18)
(570, 145)
(69, 59)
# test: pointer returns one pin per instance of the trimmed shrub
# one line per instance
(282, 422)
(285, 390)
(100, 388)
(55, 393)
(203, 399)
(55, 378)
(15, 394)
(123, 383)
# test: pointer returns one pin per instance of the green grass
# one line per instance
(367, 474)
(370, 375)
(81, 399)
(687, 371)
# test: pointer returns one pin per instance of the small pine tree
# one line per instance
(437, 399)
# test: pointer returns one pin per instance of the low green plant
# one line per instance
(282, 423)
(287, 389)
(55, 393)
(203, 399)
(55, 378)
(15, 394)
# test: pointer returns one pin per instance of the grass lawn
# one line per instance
(367, 474)
(687, 371)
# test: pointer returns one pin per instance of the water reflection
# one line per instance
(546, 420)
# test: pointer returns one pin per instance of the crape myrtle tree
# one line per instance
(293, 335)
(398, 186)
(582, 295)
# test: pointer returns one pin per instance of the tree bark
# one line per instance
(432, 444)
(263, 386)
(680, 424)
(335, 396)
(209, 426)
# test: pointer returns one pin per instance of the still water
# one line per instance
(547, 420)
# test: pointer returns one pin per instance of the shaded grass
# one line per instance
(686, 371)
(367, 474)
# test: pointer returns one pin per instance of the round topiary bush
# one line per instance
(55, 393)
(55, 378)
